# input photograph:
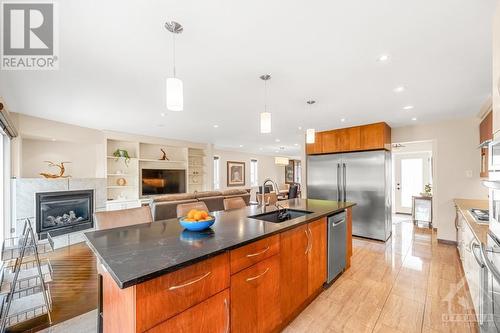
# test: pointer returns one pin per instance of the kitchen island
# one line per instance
(243, 274)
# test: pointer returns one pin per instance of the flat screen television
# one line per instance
(160, 181)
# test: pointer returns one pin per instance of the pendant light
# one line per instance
(282, 161)
(175, 94)
(265, 117)
(310, 132)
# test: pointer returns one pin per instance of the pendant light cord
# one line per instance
(265, 96)
(173, 51)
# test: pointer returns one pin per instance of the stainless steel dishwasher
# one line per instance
(337, 237)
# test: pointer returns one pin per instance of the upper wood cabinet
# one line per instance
(485, 134)
(368, 137)
(486, 128)
(317, 146)
(375, 136)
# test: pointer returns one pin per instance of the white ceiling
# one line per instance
(115, 56)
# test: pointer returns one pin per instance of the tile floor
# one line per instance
(410, 284)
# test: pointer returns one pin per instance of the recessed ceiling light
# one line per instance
(300, 128)
(414, 118)
(216, 126)
(276, 151)
(241, 146)
(53, 139)
(277, 140)
(408, 107)
(399, 89)
(342, 120)
(296, 144)
(383, 58)
(163, 114)
(261, 148)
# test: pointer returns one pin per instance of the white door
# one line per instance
(411, 172)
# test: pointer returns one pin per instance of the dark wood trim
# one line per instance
(447, 242)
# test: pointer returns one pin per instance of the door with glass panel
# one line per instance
(412, 172)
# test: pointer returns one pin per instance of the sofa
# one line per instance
(165, 206)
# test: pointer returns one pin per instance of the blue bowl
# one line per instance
(197, 226)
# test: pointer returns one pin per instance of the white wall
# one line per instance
(83, 146)
(266, 168)
(84, 158)
(42, 139)
(455, 154)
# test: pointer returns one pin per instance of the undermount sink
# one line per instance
(280, 216)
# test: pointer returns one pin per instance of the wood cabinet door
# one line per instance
(486, 128)
(166, 296)
(372, 136)
(293, 275)
(316, 265)
(349, 139)
(330, 141)
(316, 147)
(210, 316)
(255, 297)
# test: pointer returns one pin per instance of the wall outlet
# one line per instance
(468, 173)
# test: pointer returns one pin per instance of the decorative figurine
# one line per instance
(164, 157)
(61, 167)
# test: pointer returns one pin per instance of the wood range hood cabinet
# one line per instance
(358, 138)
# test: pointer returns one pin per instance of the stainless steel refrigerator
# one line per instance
(361, 177)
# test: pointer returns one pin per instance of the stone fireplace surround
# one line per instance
(24, 202)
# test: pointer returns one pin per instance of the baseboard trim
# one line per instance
(447, 242)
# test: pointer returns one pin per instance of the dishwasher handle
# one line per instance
(336, 223)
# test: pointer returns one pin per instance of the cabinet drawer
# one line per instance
(164, 297)
(210, 316)
(252, 253)
(255, 298)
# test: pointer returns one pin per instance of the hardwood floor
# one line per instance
(74, 286)
(410, 284)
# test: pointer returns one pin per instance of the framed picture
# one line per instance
(235, 173)
(289, 172)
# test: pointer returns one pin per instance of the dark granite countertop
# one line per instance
(141, 252)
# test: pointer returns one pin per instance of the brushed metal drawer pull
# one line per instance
(228, 315)
(308, 241)
(258, 276)
(258, 253)
(190, 282)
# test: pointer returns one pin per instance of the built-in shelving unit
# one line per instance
(121, 170)
(124, 175)
(196, 169)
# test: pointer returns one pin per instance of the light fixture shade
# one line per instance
(265, 122)
(278, 160)
(310, 135)
(175, 94)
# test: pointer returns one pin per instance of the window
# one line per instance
(254, 175)
(216, 173)
(297, 172)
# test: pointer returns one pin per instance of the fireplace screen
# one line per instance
(64, 212)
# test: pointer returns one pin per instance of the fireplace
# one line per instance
(64, 212)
